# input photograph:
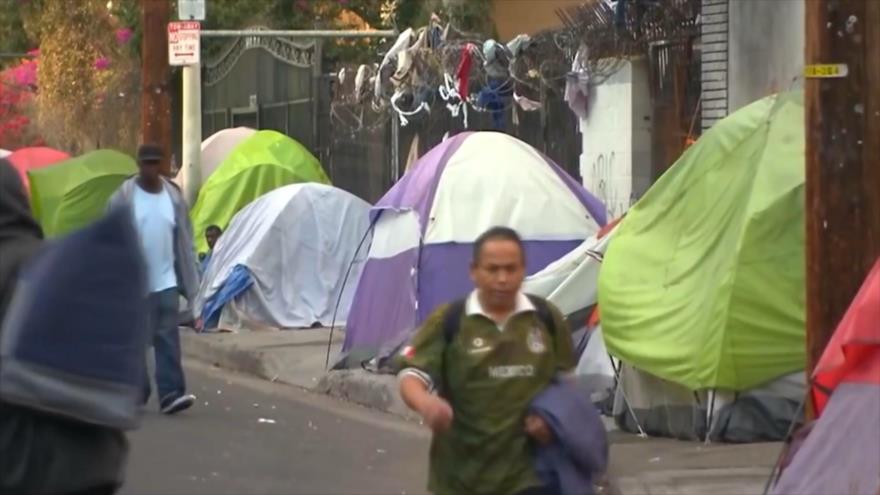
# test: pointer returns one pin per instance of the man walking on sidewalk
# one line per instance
(487, 356)
(161, 218)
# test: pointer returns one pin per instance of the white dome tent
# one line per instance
(284, 260)
(215, 149)
(425, 226)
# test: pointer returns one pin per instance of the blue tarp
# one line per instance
(238, 281)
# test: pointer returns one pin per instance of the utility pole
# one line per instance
(842, 103)
(191, 168)
(155, 78)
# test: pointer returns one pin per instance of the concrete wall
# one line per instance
(513, 17)
(766, 48)
(616, 158)
(749, 49)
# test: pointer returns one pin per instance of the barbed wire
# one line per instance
(435, 74)
(436, 63)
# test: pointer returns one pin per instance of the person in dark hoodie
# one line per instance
(43, 453)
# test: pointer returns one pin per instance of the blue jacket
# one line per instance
(75, 335)
(579, 452)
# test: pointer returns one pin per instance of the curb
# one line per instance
(378, 392)
(231, 358)
(367, 389)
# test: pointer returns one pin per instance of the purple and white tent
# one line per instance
(425, 226)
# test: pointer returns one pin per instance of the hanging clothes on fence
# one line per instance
(527, 104)
(403, 42)
(360, 79)
(454, 102)
(494, 98)
(464, 70)
(495, 59)
(518, 45)
(577, 84)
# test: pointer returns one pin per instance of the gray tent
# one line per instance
(647, 404)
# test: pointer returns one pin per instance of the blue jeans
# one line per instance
(170, 381)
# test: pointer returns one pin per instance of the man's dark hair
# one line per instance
(497, 234)
(214, 228)
(149, 152)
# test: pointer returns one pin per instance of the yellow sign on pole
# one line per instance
(825, 71)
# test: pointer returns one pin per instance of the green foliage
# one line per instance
(87, 79)
(14, 39)
(128, 15)
(472, 16)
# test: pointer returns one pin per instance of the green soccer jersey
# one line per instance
(489, 373)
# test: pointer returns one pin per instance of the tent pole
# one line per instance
(341, 290)
(774, 473)
(711, 417)
(625, 398)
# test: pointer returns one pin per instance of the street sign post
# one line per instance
(191, 10)
(184, 43)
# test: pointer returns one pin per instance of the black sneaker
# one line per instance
(181, 403)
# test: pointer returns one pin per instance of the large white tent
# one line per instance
(284, 260)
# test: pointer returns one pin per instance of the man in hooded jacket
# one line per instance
(42, 453)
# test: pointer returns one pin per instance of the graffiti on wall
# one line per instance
(617, 195)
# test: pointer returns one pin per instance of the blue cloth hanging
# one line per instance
(494, 98)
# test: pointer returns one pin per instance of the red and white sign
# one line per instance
(183, 42)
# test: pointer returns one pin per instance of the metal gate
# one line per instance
(264, 83)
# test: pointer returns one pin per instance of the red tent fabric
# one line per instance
(853, 354)
(26, 159)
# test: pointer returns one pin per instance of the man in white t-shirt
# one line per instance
(161, 218)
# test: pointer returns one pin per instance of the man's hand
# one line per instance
(537, 428)
(434, 410)
(437, 413)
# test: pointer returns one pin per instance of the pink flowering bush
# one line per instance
(18, 87)
(102, 63)
(123, 35)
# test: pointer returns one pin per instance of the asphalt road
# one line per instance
(247, 436)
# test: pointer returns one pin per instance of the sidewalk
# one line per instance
(294, 357)
(661, 466)
(639, 466)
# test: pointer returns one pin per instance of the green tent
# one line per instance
(259, 164)
(703, 282)
(73, 193)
